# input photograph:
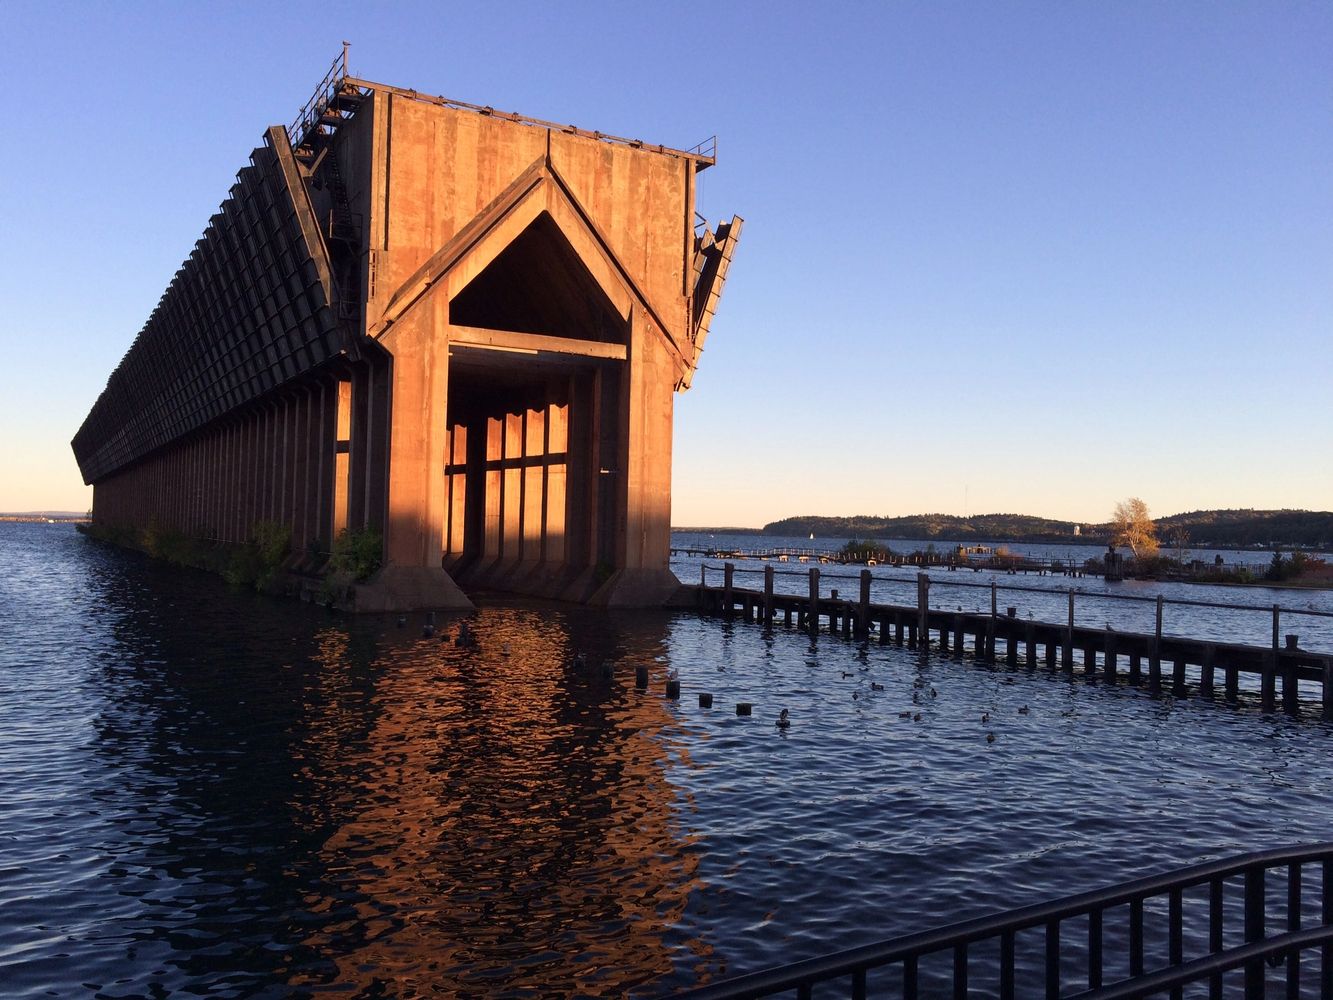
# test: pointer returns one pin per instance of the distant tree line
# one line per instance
(1200, 529)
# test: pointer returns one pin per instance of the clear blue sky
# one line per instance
(997, 257)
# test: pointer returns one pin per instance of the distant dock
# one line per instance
(1108, 654)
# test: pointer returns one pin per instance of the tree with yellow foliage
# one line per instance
(1132, 527)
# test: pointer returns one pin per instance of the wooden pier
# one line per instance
(1156, 660)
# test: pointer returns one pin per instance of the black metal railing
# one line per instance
(1130, 940)
(308, 117)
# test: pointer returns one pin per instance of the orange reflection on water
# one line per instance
(501, 821)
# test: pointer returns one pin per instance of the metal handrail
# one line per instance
(319, 100)
(857, 962)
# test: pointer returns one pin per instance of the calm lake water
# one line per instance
(206, 792)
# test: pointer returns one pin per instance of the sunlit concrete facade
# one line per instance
(473, 329)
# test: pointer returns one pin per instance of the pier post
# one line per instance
(1290, 680)
(922, 611)
(1328, 689)
(1155, 657)
(1232, 674)
(1011, 638)
(814, 601)
(728, 572)
(1178, 676)
(1206, 671)
(1290, 689)
(768, 596)
(1111, 654)
(1135, 668)
(959, 636)
(863, 612)
(1268, 686)
(1068, 658)
(1031, 639)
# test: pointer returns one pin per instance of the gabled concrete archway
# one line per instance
(535, 456)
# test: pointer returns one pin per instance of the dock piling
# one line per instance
(923, 611)
(814, 602)
(863, 610)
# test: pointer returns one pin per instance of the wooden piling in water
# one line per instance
(923, 611)
(814, 602)
(863, 607)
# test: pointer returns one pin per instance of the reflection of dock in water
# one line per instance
(510, 827)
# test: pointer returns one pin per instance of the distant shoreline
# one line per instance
(44, 518)
(1235, 529)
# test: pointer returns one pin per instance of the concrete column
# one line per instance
(300, 458)
(323, 454)
(414, 526)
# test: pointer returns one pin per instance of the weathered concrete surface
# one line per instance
(517, 303)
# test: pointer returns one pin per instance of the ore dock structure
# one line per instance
(455, 328)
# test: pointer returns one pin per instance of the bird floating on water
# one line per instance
(1024, 710)
(876, 686)
(985, 716)
(504, 650)
(917, 717)
(904, 715)
(990, 737)
(934, 693)
(783, 722)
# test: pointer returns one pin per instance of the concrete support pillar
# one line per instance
(413, 575)
(638, 487)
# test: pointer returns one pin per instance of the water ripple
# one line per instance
(202, 791)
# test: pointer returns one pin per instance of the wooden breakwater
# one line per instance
(1155, 659)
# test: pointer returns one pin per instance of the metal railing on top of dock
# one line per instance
(1124, 924)
(310, 113)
